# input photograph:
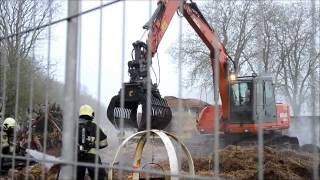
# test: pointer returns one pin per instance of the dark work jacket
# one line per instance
(87, 137)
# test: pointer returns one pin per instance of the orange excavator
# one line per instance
(245, 100)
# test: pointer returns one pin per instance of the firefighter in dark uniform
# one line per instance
(87, 143)
(8, 127)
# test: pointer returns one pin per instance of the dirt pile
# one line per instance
(238, 162)
(241, 163)
(34, 172)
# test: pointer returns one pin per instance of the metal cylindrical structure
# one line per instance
(167, 140)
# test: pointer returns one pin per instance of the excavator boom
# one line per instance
(160, 21)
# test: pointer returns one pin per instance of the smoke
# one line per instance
(306, 128)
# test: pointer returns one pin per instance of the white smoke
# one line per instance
(305, 129)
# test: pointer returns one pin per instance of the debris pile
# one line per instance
(54, 130)
(32, 173)
(241, 163)
(55, 121)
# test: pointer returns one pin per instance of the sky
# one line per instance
(137, 14)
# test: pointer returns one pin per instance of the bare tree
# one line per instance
(294, 37)
(282, 48)
(263, 46)
(17, 16)
(233, 21)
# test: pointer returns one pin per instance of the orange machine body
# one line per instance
(205, 122)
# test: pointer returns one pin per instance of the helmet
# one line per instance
(86, 110)
(9, 123)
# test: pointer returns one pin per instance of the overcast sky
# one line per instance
(137, 14)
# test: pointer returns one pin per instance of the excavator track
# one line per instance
(160, 113)
(275, 139)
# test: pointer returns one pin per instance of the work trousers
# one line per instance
(81, 170)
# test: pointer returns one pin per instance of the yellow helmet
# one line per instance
(9, 122)
(86, 110)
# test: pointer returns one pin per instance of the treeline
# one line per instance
(24, 76)
(29, 83)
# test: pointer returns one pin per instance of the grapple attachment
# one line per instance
(135, 98)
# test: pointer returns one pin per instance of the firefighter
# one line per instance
(87, 143)
(8, 126)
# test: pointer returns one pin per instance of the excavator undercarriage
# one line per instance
(272, 139)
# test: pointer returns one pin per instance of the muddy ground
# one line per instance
(240, 162)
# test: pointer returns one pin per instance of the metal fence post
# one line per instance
(69, 121)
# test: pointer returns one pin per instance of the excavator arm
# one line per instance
(211, 40)
(135, 91)
(160, 21)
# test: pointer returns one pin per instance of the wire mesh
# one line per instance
(72, 93)
(68, 140)
(180, 67)
(97, 159)
(316, 130)
(47, 87)
(79, 48)
(260, 120)
(4, 65)
(30, 108)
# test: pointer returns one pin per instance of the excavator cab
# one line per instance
(132, 110)
(252, 99)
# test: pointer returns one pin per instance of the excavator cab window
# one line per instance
(241, 101)
(265, 106)
(269, 101)
(241, 92)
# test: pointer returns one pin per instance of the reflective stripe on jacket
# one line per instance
(4, 140)
(102, 144)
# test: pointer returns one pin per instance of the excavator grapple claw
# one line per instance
(160, 113)
(115, 113)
